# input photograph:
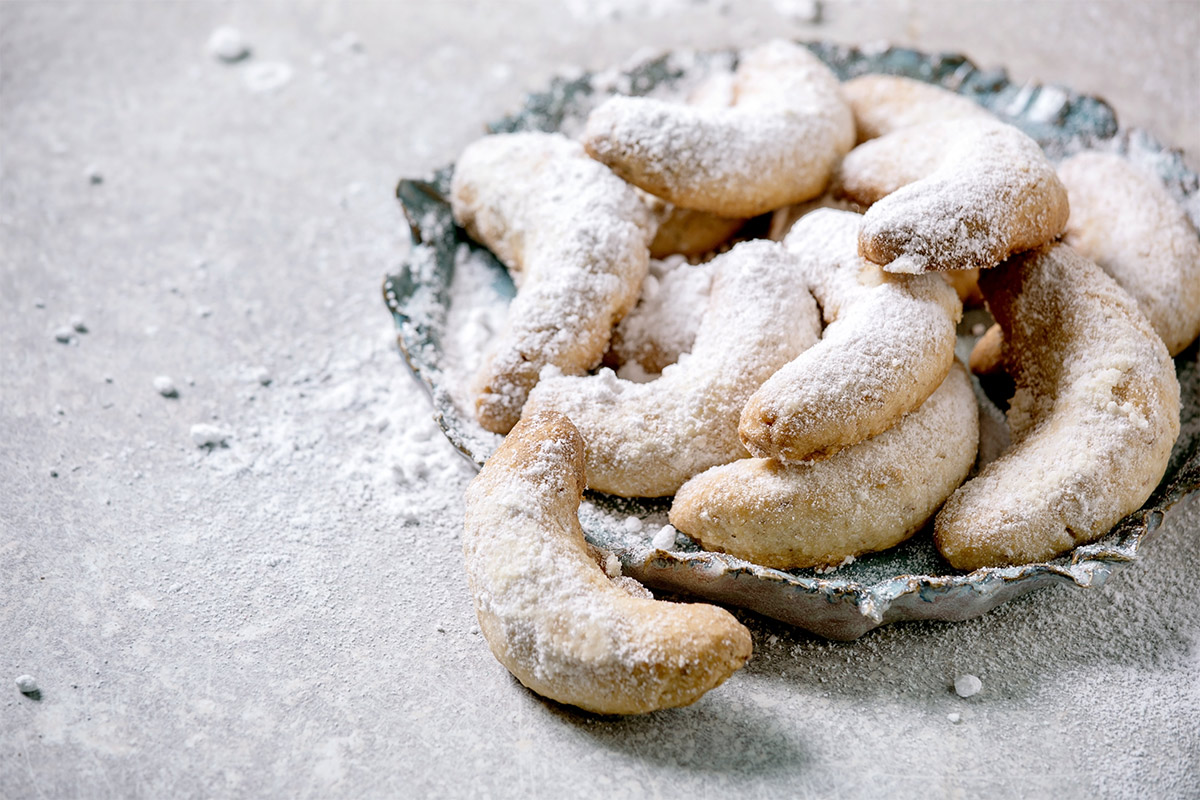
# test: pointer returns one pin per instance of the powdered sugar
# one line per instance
(663, 325)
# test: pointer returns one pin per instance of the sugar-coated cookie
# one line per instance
(959, 194)
(575, 238)
(885, 103)
(552, 616)
(1125, 221)
(887, 345)
(1093, 419)
(778, 144)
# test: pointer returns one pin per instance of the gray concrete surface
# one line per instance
(286, 616)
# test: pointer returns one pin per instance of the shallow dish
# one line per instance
(448, 285)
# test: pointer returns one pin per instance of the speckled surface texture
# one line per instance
(286, 616)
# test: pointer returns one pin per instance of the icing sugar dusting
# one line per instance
(663, 325)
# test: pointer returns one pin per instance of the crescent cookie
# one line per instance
(888, 343)
(867, 497)
(959, 194)
(778, 144)
(575, 238)
(550, 614)
(646, 439)
(1093, 419)
(1126, 222)
(885, 103)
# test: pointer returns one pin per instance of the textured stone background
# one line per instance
(287, 616)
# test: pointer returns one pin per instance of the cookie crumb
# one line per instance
(165, 386)
(209, 436)
(664, 539)
(227, 44)
(967, 685)
(807, 12)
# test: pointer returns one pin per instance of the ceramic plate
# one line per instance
(450, 293)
